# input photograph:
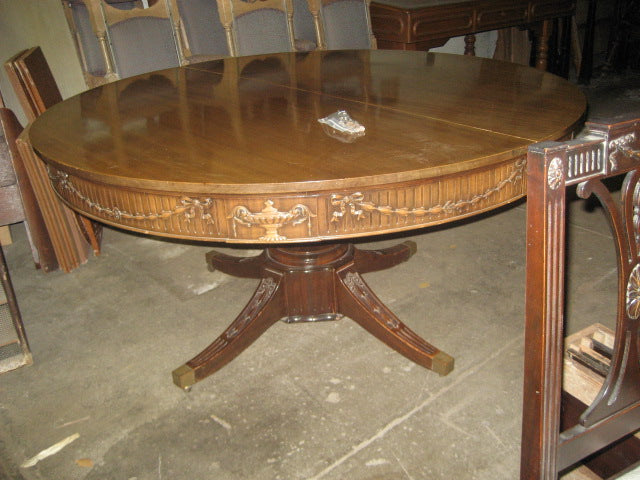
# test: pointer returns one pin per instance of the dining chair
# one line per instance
(199, 29)
(89, 31)
(142, 39)
(343, 24)
(607, 150)
(14, 347)
(89, 37)
(258, 27)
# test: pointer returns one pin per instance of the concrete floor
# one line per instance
(311, 401)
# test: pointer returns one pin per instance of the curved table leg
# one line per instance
(374, 260)
(305, 284)
(358, 302)
(245, 267)
(263, 310)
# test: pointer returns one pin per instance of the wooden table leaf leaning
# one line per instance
(232, 151)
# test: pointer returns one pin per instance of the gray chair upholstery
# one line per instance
(202, 27)
(304, 29)
(142, 44)
(258, 27)
(124, 4)
(262, 31)
(346, 24)
(88, 41)
(142, 39)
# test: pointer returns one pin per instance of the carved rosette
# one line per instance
(633, 293)
(555, 174)
(271, 219)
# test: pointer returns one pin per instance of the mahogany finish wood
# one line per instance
(608, 150)
(425, 24)
(611, 460)
(41, 247)
(37, 90)
(308, 284)
(232, 151)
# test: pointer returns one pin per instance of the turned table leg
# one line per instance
(306, 284)
(470, 44)
(543, 32)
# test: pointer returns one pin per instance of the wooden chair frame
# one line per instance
(99, 27)
(112, 15)
(186, 55)
(315, 7)
(608, 150)
(229, 10)
(100, 32)
(179, 32)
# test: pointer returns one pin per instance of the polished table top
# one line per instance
(232, 150)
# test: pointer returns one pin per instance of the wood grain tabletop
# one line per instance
(176, 152)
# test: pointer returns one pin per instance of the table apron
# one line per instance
(295, 217)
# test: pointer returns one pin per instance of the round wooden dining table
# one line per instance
(233, 151)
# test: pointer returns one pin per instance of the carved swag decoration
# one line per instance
(186, 207)
(355, 205)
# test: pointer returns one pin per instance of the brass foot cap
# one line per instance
(413, 247)
(184, 376)
(442, 364)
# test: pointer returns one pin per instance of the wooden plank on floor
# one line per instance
(580, 386)
(5, 235)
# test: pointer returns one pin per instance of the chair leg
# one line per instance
(14, 350)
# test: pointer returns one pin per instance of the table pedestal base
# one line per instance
(307, 284)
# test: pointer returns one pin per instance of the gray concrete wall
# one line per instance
(28, 23)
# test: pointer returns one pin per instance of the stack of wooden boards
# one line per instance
(586, 363)
(72, 237)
